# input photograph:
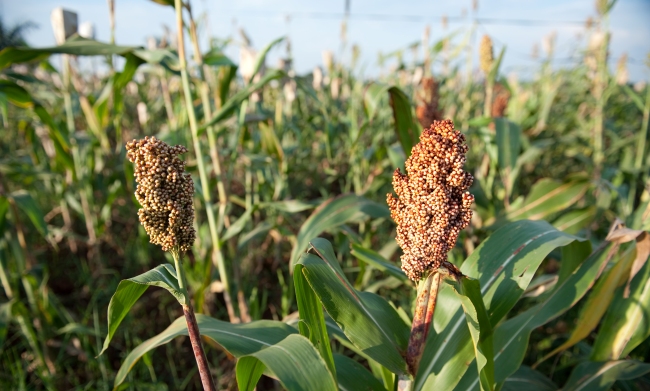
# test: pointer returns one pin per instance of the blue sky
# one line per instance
(375, 25)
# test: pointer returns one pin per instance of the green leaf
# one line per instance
(296, 364)
(312, 321)
(597, 376)
(574, 221)
(217, 58)
(597, 303)
(28, 205)
(261, 57)
(377, 261)
(332, 214)
(238, 225)
(504, 264)
(368, 320)
(165, 57)
(549, 196)
(352, 376)
(573, 255)
(469, 292)
(76, 45)
(15, 94)
(406, 129)
(238, 339)
(526, 378)
(129, 291)
(248, 371)
(511, 337)
(508, 143)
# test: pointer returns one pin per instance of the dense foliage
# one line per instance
(280, 159)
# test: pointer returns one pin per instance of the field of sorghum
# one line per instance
(279, 159)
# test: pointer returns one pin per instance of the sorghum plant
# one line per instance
(165, 192)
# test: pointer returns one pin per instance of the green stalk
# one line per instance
(205, 185)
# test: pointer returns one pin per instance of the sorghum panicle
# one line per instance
(428, 109)
(432, 203)
(165, 192)
(486, 56)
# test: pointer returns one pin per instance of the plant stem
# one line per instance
(425, 307)
(193, 326)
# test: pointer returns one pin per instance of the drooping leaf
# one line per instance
(504, 264)
(130, 290)
(332, 214)
(248, 372)
(600, 376)
(367, 320)
(295, 362)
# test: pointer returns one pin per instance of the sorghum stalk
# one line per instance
(166, 192)
(431, 208)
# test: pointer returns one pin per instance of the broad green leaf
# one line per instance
(312, 321)
(549, 196)
(597, 376)
(15, 94)
(261, 57)
(377, 261)
(508, 143)
(76, 45)
(248, 372)
(526, 378)
(511, 337)
(504, 264)
(597, 302)
(26, 203)
(332, 214)
(238, 339)
(367, 320)
(627, 322)
(296, 363)
(352, 376)
(217, 58)
(129, 291)
(469, 293)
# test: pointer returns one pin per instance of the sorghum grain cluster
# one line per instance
(486, 55)
(432, 203)
(165, 193)
(428, 108)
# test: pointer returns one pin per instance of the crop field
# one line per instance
(509, 252)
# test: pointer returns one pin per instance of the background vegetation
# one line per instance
(569, 146)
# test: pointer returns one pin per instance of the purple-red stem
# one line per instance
(197, 347)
